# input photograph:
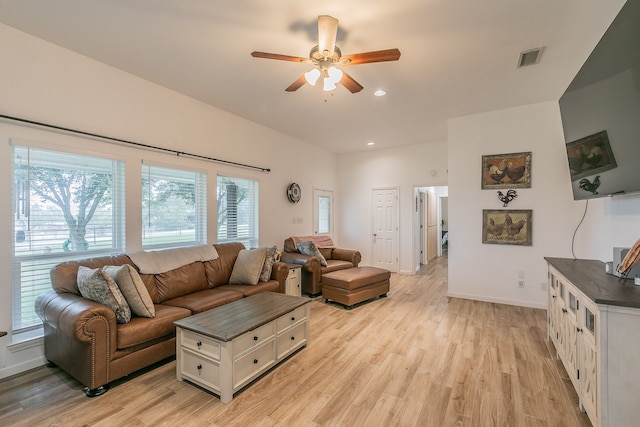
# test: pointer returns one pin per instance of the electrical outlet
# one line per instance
(521, 283)
(543, 286)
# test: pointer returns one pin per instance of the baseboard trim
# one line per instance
(22, 367)
(482, 298)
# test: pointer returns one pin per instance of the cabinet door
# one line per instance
(553, 312)
(569, 334)
(588, 360)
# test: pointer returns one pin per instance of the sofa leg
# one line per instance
(96, 391)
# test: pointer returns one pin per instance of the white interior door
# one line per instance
(385, 228)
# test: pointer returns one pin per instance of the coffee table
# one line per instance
(227, 347)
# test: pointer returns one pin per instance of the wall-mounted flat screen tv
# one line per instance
(601, 113)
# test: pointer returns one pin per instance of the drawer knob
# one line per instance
(255, 361)
(293, 319)
(255, 338)
(293, 338)
(199, 367)
(564, 310)
(199, 344)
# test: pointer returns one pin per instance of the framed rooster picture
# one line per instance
(506, 171)
(590, 155)
(507, 227)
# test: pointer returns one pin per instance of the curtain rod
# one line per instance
(137, 144)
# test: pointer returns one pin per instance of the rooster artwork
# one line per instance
(506, 170)
(509, 227)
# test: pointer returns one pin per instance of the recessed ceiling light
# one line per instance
(371, 143)
(379, 92)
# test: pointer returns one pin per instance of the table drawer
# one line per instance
(199, 369)
(248, 366)
(202, 345)
(252, 339)
(291, 340)
(289, 319)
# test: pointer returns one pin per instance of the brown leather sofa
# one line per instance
(312, 271)
(83, 338)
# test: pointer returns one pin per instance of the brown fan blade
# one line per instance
(367, 57)
(348, 82)
(279, 57)
(327, 33)
(297, 84)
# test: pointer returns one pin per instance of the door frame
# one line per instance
(317, 192)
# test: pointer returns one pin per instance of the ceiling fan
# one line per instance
(326, 55)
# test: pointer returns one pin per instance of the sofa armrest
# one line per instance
(309, 263)
(280, 272)
(353, 256)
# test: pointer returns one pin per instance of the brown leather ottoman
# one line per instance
(353, 285)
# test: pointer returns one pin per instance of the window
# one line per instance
(174, 207)
(323, 211)
(238, 211)
(65, 206)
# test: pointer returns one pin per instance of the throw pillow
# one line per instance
(269, 259)
(96, 285)
(248, 266)
(308, 248)
(133, 289)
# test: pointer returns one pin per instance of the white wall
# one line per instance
(490, 272)
(359, 173)
(42, 82)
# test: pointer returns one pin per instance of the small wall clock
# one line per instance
(293, 193)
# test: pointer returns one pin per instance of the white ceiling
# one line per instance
(459, 57)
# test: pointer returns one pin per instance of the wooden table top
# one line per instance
(231, 320)
(590, 277)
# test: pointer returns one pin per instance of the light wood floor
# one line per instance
(416, 358)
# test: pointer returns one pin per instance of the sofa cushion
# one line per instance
(181, 281)
(133, 289)
(218, 271)
(247, 290)
(248, 266)
(143, 329)
(269, 259)
(335, 265)
(308, 248)
(96, 285)
(201, 301)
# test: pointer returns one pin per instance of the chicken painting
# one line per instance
(502, 170)
(508, 227)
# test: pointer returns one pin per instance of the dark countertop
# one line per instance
(590, 278)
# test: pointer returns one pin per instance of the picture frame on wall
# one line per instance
(501, 171)
(590, 155)
(507, 226)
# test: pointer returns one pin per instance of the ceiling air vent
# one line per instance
(529, 57)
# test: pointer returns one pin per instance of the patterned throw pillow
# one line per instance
(269, 259)
(248, 266)
(308, 248)
(132, 288)
(96, 285)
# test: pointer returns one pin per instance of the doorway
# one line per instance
(431, 219)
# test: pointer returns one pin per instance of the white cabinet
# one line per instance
(593, 321)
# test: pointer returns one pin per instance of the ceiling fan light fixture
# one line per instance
(329, 84)
(335, 74)
(312, 76)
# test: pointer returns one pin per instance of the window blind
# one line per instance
(237, 212)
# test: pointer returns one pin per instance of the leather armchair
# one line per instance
(312, 271)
